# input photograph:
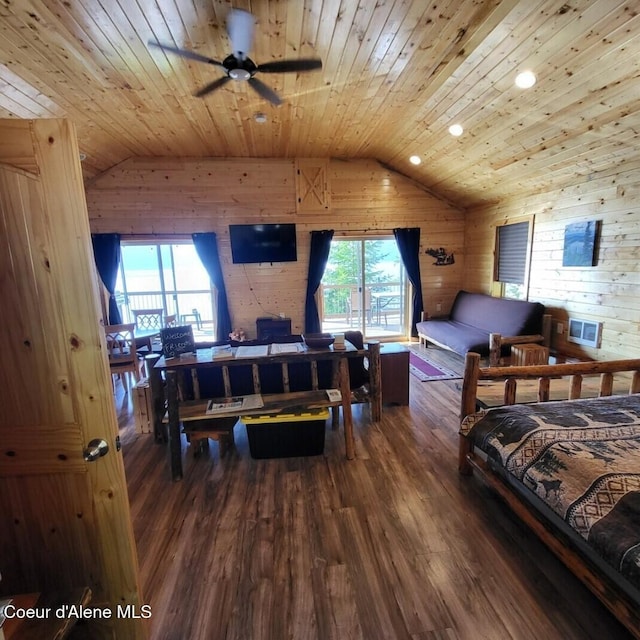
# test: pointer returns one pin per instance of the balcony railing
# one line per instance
(183, 304)
(384, 312)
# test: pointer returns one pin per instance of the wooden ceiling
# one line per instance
(396, 74)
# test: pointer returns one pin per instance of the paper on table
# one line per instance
(221, 353)
(224, 405)
(253, 401)
(285, 347)
(252, 351)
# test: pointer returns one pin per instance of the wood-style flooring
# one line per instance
(394, 544)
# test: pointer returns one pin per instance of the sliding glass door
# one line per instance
(167, 276)
(364, 287)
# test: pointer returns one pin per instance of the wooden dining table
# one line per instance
(145, 338)
(272, 403)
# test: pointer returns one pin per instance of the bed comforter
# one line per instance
(582, 459)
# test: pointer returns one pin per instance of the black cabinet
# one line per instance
(270, 327)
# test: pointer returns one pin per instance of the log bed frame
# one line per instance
(626, 610)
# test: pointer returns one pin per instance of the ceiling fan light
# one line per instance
(239, 74)
(525, 79)
(456, 130)
(415, 160)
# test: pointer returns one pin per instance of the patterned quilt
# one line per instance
(581, 458)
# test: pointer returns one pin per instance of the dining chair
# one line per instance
(121, 347)
(148, 323)
(355, 305)
(194, 315)
(148, 319)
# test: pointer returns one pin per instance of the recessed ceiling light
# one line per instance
(260, 117)
(525, 80)
(456, 130)
(83, 156)
(415, 160)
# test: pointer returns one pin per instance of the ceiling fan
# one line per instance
(238, 66)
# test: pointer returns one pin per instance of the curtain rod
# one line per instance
(176, 236)
(351, 232)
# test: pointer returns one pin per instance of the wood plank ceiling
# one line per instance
(396, 74)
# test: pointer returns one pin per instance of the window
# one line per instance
(168, 276)
(365, 288)
(512, 259)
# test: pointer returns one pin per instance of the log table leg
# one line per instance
(157, 399)
(335, 383)
(375, 381)
(347, 416)
(175, 444)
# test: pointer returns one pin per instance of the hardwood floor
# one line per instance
(394, 544)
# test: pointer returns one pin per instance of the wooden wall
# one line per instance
(607, 292)
(182, 196)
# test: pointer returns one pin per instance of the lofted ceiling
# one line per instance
(396, 74)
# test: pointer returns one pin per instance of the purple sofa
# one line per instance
(475, 316)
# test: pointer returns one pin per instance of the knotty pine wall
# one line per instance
(175, 197)
(607, 292)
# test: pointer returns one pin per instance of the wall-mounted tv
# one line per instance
(263, 243)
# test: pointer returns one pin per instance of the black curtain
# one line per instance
(106, 253)
(318, 256)
(207, 248)
(408, 241)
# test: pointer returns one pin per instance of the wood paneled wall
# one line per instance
(607, 292)
(182, 196)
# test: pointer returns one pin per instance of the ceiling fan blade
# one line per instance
(192, 55)
(266, 92)
(240, 26)
(284, 66)
(212, 86)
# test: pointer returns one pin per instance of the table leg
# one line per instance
(347, 416)
(375, 380)
(157, 399)
(175, 444)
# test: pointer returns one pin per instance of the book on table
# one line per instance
(234, 403)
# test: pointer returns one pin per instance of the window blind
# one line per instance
(512, 252)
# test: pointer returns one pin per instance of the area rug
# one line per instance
(427, 371)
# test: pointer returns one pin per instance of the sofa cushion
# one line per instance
(475, 315)
(456, 336)
(497, 315)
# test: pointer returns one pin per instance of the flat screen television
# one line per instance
(263, 243)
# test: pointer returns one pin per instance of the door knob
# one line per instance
(96, 449)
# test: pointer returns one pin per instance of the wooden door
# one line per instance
(64, 522)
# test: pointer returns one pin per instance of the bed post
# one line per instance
(467, 407)
(495, 349)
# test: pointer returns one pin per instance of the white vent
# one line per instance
(585, 332)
